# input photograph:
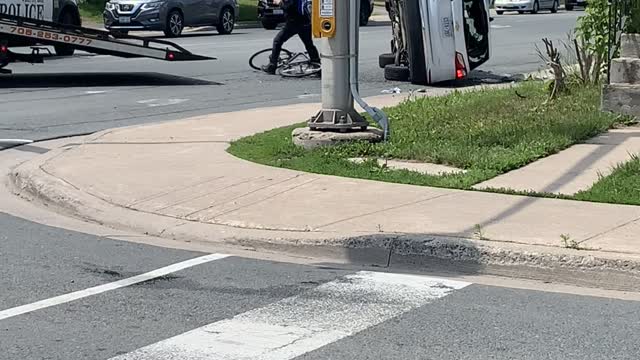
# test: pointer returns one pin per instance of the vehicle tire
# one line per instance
(536, 7)
(555, 7)
(396, 73)
(175, 24)
(269, 24)
(65, 50)
(256, 61)
(500, 12)
(386, 59)
(520, 12)
(365, 12)
(415, 43)
(568, 7)
(226, 21)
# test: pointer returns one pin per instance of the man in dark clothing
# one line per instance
(298, 22)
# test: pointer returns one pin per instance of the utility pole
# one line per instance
(331, 22)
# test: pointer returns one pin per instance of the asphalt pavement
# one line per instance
(86, 93)
(67, 296)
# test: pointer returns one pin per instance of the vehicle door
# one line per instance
(194, 12)
(439, 39)
(212, 10)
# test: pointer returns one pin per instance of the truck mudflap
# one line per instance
(92, 40)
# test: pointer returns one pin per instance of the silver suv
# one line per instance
(170, 16)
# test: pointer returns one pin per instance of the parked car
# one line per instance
(58, 11)
(272, 15)
(522, 6)
(169, 16)
(571, 4)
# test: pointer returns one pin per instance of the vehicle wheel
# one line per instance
(396, 73)
(227, 21)
(119, 34)
(65, 50)
(555, 7)
(568, 7)
(365, 11)
(386, 59)
(500, 12)
(257, 60)
(536, 7)
(415, 43)
(269, 24)
(520, 12)
(175, 24)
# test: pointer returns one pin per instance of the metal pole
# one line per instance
(338, 112)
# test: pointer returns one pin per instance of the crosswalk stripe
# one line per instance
(61, 299)
(302, 323)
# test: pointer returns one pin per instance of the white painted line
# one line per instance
(306, 96)
(500, 26)
(161, 102)
(20, 310)
(93, 92)
(297, 325)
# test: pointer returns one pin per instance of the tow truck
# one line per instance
(57, 23)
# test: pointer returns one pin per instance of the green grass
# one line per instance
(622, 186)
(248, 10)
(91, 10)
(486, 132)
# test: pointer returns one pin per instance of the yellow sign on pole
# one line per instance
(324, 18)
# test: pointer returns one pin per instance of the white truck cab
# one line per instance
(56, 11)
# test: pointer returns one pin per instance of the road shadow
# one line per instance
(373, 23)
(480, 77)
(453, 256)
(107, 79)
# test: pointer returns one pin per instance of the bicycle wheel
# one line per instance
(261, 58)
(298, 66)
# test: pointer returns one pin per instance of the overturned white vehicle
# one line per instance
(436, 40)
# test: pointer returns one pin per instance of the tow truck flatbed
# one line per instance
(85, 39)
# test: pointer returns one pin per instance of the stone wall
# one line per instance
(622, 94)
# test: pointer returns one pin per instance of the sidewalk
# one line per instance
(176, 180)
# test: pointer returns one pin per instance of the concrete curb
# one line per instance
(31, 181)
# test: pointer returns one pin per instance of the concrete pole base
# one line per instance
(311, 139)
(338, 120)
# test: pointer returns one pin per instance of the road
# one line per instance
(68, 296)
(89, 93)
(73, 295)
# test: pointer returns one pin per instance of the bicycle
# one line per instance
(290, 64)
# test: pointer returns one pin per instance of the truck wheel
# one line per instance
(365, 11)
(536, 7)
(269, 24)
(386, 59)
(226, 21)
(499, 12)
(396, 73)
(415, 47)
(175, 24)
(65, 50)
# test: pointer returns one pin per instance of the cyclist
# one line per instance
(298, 22)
